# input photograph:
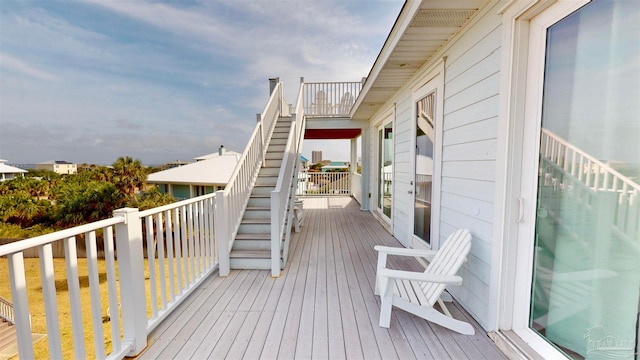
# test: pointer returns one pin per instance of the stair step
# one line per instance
(264, 236)
(257, 212)
(273, 163)
(267, 180)
(271, 171)
(251, 254)
(257, 226)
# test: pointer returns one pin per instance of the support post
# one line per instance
(222, 234)
(365, 144)
(131, 269)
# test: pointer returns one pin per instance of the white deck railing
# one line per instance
(572, 179)
(233, 200)
(6, 310)
(356, 187)
(323, 184)
(330, 99)
(283, 196)
(180, 254)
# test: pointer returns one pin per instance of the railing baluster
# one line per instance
(185, 247)
(192, 243)
(114, 313)
(94, 290)
(171, 263)
(162, 274)
(151, 264)
(196, 237)
(73, 283)
(176, 229)
(47, 275)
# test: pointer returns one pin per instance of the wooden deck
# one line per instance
(321, 307)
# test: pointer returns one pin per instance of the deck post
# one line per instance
(276, 235)
(222, 234)
(131, 268)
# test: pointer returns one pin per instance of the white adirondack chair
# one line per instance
(417, 292)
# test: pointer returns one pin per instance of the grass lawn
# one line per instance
(36, 303)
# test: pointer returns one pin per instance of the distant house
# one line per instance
(58, 166)
(304, 162)
(8, 172)
(208, 174)
(336, 166)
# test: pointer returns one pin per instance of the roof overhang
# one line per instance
(421, 29)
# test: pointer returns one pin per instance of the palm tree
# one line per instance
(129, 175)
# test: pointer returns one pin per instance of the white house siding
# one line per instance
(469, 148)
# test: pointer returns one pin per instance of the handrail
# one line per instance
(6, 310)
(232, 201)
(283, 196)
(22, 245)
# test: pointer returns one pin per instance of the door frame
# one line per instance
(522, 88)
(432, 81)
(388, 118)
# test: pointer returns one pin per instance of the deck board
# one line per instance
(321, 307)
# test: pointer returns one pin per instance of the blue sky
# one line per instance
(89, 81)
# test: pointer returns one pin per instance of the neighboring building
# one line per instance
(304, 162)
(174, 164)
(8, 172)
(58, 166)
(316, 157)
(336, 166)
(208, 174)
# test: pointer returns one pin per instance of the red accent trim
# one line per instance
(331, 134)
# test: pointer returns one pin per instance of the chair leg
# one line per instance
(385, 311)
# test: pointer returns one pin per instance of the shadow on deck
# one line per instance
(322, 306)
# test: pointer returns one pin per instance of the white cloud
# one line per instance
(14, 64)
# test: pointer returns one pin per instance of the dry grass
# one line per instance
(36, 303)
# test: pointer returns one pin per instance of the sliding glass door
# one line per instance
(585, 288)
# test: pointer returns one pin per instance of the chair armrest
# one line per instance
(427, 254)
(418, 276)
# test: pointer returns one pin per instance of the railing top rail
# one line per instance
(602, 165)
(5, 301)
(175, 205)
(332, 82)
(22, 245)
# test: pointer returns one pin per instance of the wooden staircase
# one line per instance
(8, 335)
(252, 246)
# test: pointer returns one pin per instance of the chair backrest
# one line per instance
(447, 261)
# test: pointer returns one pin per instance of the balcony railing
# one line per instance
(330, 99)
(323, 184)
(180, 254)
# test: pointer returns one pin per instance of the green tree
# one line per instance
(152, 198)
(129, 175)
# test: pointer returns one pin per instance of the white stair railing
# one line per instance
(283, 196)
(233, 200)
(180, 255)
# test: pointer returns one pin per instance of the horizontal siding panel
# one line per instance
(480, 130)
(478, 150)
(473, 94)
(473, 55)
(452, 220)
(476, 189)
(486, 109)
(481, 269)
(488, 66)
(475, 170)
(468, 206)
(471, 303)
(479, 248)
(473, 283)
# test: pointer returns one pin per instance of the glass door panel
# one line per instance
(385, 170)
(425, 130)
(586, 280)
